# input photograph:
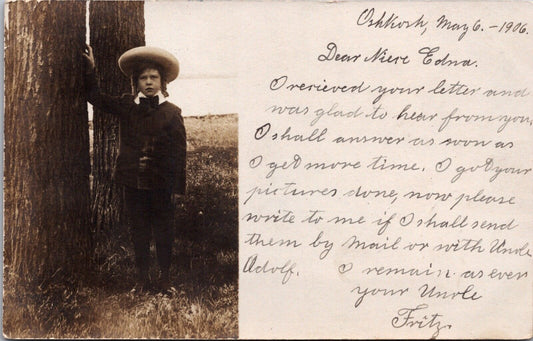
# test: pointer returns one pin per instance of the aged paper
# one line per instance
(385, 174)
(385, 170)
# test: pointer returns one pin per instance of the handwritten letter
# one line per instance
(386, 170)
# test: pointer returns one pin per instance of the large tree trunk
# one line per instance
(115, 26)
(47, 233)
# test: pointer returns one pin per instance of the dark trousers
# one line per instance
(150, 211)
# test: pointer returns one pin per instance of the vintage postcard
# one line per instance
(284, 170)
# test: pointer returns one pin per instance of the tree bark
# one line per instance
(47, 232)
(115, 27)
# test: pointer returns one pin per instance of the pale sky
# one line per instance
(205, 47)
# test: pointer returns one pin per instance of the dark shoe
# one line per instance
(164, 283)
(142, 283)
(139, 288)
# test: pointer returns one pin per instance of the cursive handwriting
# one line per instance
(487, 167)
(412, 318)
(481, 197)
(506, 119)
(389, 163)
(403, 271)
(390, 21)
(446, 60)
(256, 239)
(444, 24)
(363, 292)
(467, 293)
(287, 270)
(289, 189)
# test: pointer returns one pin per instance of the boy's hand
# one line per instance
(89, 59)
(144, 163)
(178, 200)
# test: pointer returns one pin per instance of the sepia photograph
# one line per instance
(268, 170)
(120, 174)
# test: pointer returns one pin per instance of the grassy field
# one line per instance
(203, 301)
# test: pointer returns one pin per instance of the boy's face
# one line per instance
(149, 82)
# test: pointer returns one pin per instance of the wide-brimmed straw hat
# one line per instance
(131, 58)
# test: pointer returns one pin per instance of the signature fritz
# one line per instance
(413, 318)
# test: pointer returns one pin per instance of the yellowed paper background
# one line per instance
(439, 144)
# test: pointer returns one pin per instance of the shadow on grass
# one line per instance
(204, 270)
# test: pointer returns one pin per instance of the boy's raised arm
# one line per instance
(104, 102)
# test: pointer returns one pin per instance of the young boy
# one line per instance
(152, 155)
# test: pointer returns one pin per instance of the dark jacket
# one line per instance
(156, 133)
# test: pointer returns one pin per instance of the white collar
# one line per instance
(162, 98)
